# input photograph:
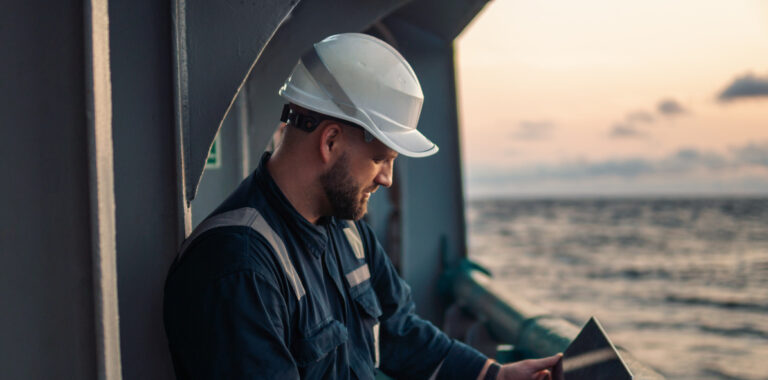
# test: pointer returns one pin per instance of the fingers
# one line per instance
(544, 363)
(542, 375)
(531, 369)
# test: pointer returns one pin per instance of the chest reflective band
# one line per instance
(353, 236)
(250, 217)
(357, 276)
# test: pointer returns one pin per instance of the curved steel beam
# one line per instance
(216, 43)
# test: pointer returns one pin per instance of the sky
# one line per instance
(595, 98)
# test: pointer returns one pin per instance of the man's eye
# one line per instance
(377, 160)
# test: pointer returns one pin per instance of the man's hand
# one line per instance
(531, 369)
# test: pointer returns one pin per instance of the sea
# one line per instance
(680, 283)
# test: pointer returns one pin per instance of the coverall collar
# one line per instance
(314, 237)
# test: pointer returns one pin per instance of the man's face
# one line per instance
(355, 175)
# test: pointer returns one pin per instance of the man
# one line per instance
(283, 281)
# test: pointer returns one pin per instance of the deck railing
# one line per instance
(529, 329)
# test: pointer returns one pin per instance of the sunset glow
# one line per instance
(615, 98)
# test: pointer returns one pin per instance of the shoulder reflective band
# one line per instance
(327, 81)
(353, 236)
(250, 217)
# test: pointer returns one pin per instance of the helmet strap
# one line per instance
(306, 123)
(309, 123)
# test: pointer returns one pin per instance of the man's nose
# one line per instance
(384, 178)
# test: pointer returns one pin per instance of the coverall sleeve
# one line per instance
(237, 331)
(411, 347)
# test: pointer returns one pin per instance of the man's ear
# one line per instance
(330, 138)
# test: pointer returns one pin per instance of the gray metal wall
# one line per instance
(217, 183)
(146, 194)
(55, 248)
(46, 253)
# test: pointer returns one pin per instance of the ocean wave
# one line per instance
(720, 303)
(676, 278)
(631, 273)
(757, 236)
(732, 331)
(721, 374)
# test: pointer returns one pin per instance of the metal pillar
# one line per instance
(432, 200)
(57, 286)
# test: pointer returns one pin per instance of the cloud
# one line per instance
(606, 187)
(689, 159)
(624, 130)
(746, 86)
(753, 153)
(670, 107)
(629, 127)
(640, 117)
(678, 164)
(533, 130)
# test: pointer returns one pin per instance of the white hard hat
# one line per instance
(361, 79)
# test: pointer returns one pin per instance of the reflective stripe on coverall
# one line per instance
(258, 291)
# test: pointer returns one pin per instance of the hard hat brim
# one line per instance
(411, 143)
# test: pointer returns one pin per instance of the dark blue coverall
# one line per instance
(232, 312)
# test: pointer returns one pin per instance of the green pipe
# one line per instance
(511, 319)
(529, 328)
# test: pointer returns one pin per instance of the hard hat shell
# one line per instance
(361, 79)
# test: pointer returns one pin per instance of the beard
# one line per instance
(343, 193)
